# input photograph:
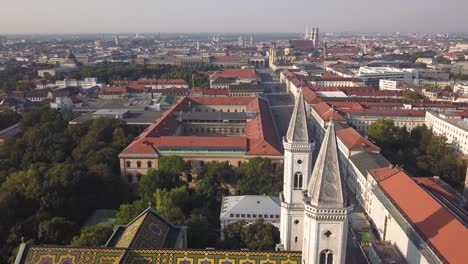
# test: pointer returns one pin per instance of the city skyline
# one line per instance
(53, 16)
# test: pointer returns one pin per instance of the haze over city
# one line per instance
(90, 16)
(234, 132)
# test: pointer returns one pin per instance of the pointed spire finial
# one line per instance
(149, 204)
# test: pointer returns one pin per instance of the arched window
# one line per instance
(298, 180)
(326, 257)
(129, 164)
(138, 164)
(150, 164)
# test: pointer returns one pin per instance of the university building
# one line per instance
(204, 129)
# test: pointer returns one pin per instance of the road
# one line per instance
(281, 102)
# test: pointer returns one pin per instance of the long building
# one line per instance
(203, 129)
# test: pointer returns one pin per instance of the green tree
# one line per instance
(157, 179)
(93, 236)
(201, 233)
(233, 235)
(8, 118)
(412, 95)
(166, 204)
(58, 230)
(173, 164)
(127, 212)
(260, 235)
(259, 176)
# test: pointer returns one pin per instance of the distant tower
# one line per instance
(298, 150)
(311, 35)
(326, 210)
(117, 41)
(272, 54)
(306, 35)
(198, 45)
(315, 38)
(251, 40)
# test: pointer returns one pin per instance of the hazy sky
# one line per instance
(67, 16)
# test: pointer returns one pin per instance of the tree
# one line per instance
(93, 236)
(209, 186)
(260, 235)
(173, 164)
(165, 204)
(128, 212)
(58, 230)
(201, 233)
(412, 95)
(233, 235)
(259, 176)
(8, 118)
(157, 179)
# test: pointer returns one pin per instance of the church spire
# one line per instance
(298, 130)
(325, 187)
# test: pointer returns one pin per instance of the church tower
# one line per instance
(326, 210)
(298, 150)
(272, 52)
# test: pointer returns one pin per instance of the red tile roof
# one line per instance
(227, 58)
(431, 183)
(386, 111)
(354, 141)
(302, 44)
(444, 233)
(235, 73)
(325, 111)
(260, 135)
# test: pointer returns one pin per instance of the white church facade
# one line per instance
(314, 209)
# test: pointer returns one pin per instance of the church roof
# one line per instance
(148, 230)
(298, 130)
(325, 187)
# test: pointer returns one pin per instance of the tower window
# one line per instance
(129, 164)
(299, 161)
(150, 164)
(298, 180)
(295, 240)
(138, 164)
(326, 257)
(296, 222)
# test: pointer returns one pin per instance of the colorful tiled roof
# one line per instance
(148, 230)
(95, 255)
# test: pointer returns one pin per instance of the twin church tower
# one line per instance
(314, 210)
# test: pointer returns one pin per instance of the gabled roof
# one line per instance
(354, 141)
(298, 130)
(444, 233)
(147, 230)
(325, 186)
(235, 73)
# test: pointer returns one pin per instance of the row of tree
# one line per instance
(108, 72)
(420, 152)
(53, 176)
(199, 207)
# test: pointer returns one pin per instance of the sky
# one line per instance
(113, 16)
